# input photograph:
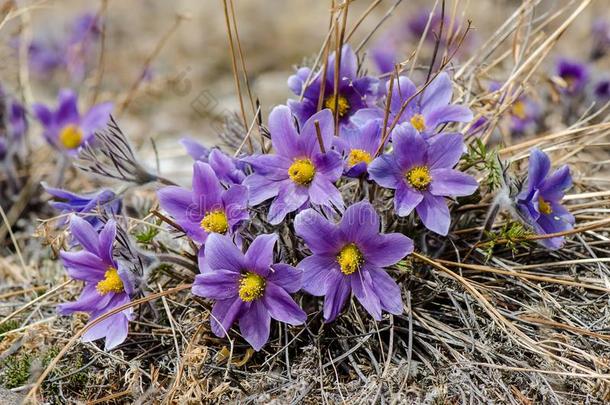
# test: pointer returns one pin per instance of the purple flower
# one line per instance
(600, 32)
(422, 174)
(424, 112)
(353, 92)
(228, 169)
(18, 123)
(44, 57)
(65, 128)
(85, 31)
(539, 203)
(249, 288)
(575, 75)
(107, 286)
(524, 114)
(104, 200)
(298, 173)
(209, 207)
(601, 90)
(350, 256)
(358, 146)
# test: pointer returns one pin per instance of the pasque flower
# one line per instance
(107, 285)
(574, 73)
(358, 146)
(249, 288)
(65, 128)
(350, 256)
(209, 207)
(228, 169)
(299, 172)
(422, 174)
(67, 202)
(424, 112)
(540, 202)
(353, 92)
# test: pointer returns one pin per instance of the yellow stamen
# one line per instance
(111, 283)
(358, 156)
(251, 287)
(342, 105)
(418, 122)
(419, 177)
(350, 259)
(215, 222)
(71, 136)
(519, 110)
(544, 206)
(302, 171)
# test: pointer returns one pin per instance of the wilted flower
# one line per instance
(350, 256)
(353, 92)
(208, 208)
(104, 200)
(65, 128)
(540, 202)
(574, 73)
(249, 288)
(107, 285)
(358, 146)
(424, 112)
(298, 173)
(422, 174)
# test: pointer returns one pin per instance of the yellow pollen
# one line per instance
(251, 287)
(215, 222)
(419, 177)
(342, 105)
(302, 171)
(358, 156)
(418, 122)
(71, 136)
(111, 283)
(519, 110)
(544, 207)
(350, 259)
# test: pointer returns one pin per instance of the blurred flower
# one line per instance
(196, 150)
(102, 201)
(208, 208)
(600, 32)
(424, 112)
(422, 174)
(249, 288)
(18, 124)
(353, 92)
(350, 256)
(524, 114)
(574, 73)
(358, 146)
(298, 173)
(539, 203)
(66, 129)
(86, 30)
(107, 286)
(3, 149)
(601, 90)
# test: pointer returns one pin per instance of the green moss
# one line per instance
(15, 371)
(7, 327)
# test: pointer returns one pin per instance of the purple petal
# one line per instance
(386, 249)
(89, 301)
(106, 240)
(281, 306)
(207, 190)
(284, 135)
(360, 221)
(387, 290)
(235, 202)
(402, 90)
(318, 233)
(259, 256)
(221, 253)
(84, 233)
(406, 199)
(43, 114)
(409, 147)
(308, 139)
(296, 81)
(288, 277)
(96, 118)
(323, 192)
(317, 270)
(449, 182)
(554, 186)
(290, 198)
(539, 166)
(196, 150)
(261, 188)
(254, 325)
(329, 164)
(445, 150)
(67, 111)
(84, 265)
(217, 284)
(337, 291)
(362, 287)
(437, 94)
(349, 64)
(117, 332)
(224, 313)
(385, 171)
(449, 113)
(434, 214)
(176, 201)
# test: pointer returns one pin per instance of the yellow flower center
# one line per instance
(215, 222)
(418, 122)
(419, 177)
(342, 104)
(544, 206)
(350, 259)
(251, 287)
(71, 136)
(519, 110)
(358, 156)
(302, 171)
(111, 283)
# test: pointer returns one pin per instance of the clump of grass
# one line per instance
(7, 327)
